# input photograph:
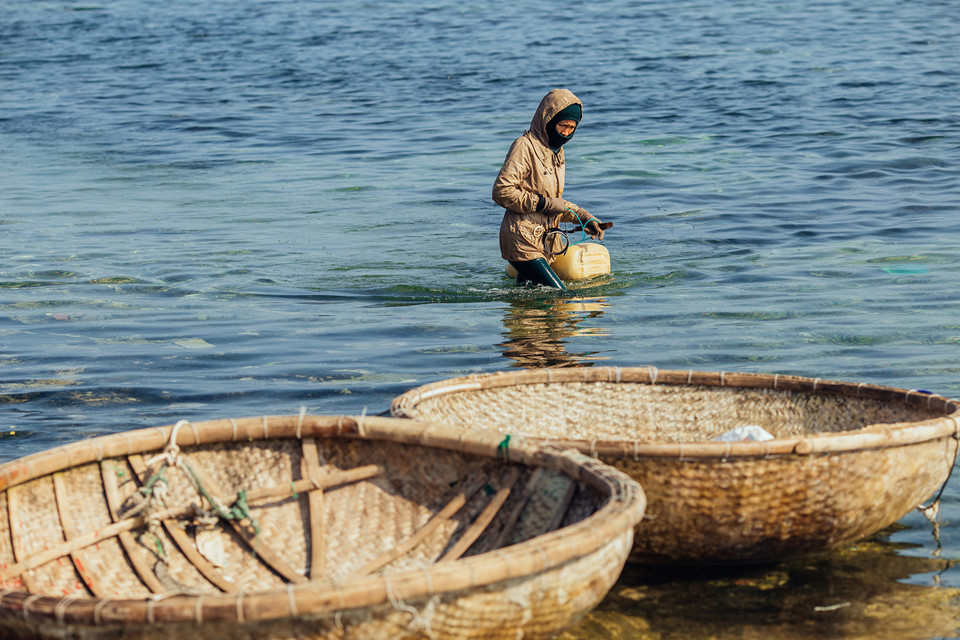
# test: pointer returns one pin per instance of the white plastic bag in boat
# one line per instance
(746, 433)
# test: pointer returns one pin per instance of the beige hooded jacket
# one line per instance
(530, 170)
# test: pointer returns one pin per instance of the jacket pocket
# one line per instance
(532, 232)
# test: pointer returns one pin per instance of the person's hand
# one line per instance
(591, 224)
(593, 228)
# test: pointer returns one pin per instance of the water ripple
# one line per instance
(245, 207)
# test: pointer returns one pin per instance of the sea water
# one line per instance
(225, 209)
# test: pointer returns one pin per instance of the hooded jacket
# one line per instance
(530, 170)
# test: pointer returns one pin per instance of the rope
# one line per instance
(583, 228)
(361, 428)
(173, 586)
(239, 510)
(563, 234)
(60, 611)
(156, 542)
(419, 621)
(148, 488)
(303, 412)
(932, 510)
(502, 448)
(155, 490)
(565, 242)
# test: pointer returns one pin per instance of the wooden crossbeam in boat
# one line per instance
(262, 551)
(134, 551)
(514, 515)
(310, 468)
(484, 519)
(439, 518)
(562, 507)
(327, 481)
(315, 482)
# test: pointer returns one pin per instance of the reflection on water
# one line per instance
(855, 593)
(537, 331)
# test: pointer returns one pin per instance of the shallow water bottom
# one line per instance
(859, 592)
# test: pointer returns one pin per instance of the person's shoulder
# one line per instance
(526, 143)
(525, 138)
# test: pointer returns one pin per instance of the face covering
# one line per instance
(556, 140)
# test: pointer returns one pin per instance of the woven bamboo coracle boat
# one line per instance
(846, 460)
(308, 527)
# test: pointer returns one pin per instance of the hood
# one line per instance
(552, 104)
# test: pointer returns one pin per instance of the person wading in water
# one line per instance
(530, 187)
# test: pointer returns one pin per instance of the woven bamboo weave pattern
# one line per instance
(207, 531)
(846, 460)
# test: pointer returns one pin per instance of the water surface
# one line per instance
(240, 208)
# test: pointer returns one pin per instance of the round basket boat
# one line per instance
(846, 460)
(308, 527)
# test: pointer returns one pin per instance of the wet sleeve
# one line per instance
(582, 215)
(509, 188)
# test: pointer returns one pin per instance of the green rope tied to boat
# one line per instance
(239, 510)
(503, 447)
(150, 492)
(153, 492)
(148, 486)
(157, 542)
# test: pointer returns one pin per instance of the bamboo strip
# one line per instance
(867, 438)
(406, 403)
(16, 541)
(79, 542)
(405, 546)
(562, 507)
(314, 482)
(186, 544)
(310, 468)
(78, 557)
(137, 522)
(514, 515)
(135, 553)
(587, 543)
(886, 448)
(251, 429)
(484, 519)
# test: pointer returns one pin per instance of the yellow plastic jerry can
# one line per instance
(582, 261)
